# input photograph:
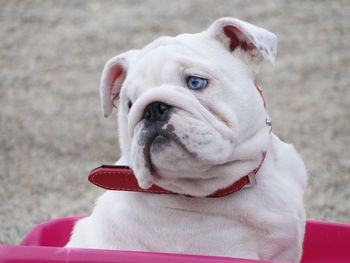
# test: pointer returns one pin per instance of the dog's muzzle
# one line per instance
(155, 116)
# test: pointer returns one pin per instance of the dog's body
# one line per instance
(193, 141)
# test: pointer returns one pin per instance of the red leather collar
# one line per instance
(122, 178)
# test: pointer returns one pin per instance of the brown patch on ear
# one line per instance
(237, 39)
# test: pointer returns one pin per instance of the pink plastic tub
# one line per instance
(324, 242)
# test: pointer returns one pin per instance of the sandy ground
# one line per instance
(51, 128)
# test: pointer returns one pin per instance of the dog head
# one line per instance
(190, 118)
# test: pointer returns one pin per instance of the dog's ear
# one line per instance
(113, 76)
(234, 34)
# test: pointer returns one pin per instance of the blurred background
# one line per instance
(52, 131)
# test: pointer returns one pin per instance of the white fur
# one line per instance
(220, 135)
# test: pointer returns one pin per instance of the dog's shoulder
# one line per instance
(287, 159)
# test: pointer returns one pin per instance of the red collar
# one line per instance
(122, 178)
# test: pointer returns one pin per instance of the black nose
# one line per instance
(156, 111)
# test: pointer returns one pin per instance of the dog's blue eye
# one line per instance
(196, 83)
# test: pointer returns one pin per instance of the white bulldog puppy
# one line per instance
(192, 121)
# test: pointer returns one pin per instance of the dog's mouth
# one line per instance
(156, 139)
(159, 152)
(183, 145)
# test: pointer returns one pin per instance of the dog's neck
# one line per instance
(121, 178)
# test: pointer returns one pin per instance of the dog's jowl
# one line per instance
(192, 121)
